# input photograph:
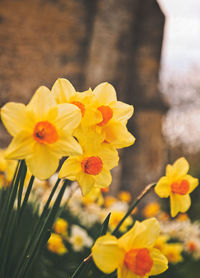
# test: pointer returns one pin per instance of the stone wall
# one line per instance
(90, 41)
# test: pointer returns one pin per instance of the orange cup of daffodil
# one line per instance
(92, 168)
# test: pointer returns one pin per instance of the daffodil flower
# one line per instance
(115, 115)
(133, 254)
(171, 250)
(42, 132)
(92, 168)
(116, 217)
(64, 92)
(60, 227)
(100, 110)
(177, 185)
(55, 244)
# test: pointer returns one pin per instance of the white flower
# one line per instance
(79, 238)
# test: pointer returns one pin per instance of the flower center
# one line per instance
(106, 113)
(105, 189)
(139, 261)
(45, 132)
(192, 246)
(181, 188)
(92, 165)
(80, 106)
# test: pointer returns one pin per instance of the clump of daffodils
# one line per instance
(64, 234)
(172, 251)
(87, 127)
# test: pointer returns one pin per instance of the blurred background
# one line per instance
(149, 50)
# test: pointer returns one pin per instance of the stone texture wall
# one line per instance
(90, 41)
(125, 49)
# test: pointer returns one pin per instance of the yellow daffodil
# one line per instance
(151, 209)
(171, 250)
(109, 201)
(177, 185)
(64, 92)
(42, 132)
(161, 241)
(133, 254)
(115, 115)
(60, 227)
(92, 168)
(116, 217)
(55, 244)
(94, 196)
(124, 196)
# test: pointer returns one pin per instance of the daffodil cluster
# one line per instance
(87, 127)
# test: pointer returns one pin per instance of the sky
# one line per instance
(180, 73)
(181, 48)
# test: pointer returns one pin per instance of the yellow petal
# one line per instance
(41, 102)
(69, 117)
(122, 111)
(109, 156)
(20, 147)
(52, 114)
(103, 179)
(180, 168)
(118, 135)
(106, 253)
(70, 169)
(141, 235)
(85, 135)
(16, 118)
(179, 203)
(192, 181)
(160, 263)
(65, 146)
(163, 187)
(124, 272)
(105, 93)
(42, 163)
(86, 183)
(169, 171)
(63, 90)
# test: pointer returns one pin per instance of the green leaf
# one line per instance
(105, 225)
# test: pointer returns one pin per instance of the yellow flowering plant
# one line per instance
(92, 168)
(177, 185)
(133, 254)
(86, 129)
(42, 132)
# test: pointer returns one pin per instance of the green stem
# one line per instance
(81, 266)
